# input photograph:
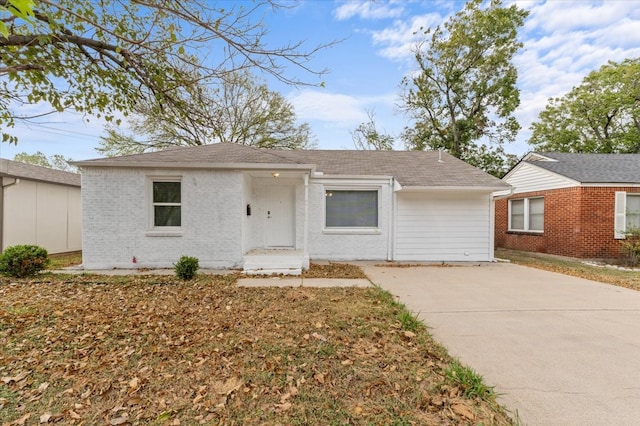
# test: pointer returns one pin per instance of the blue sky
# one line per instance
(563, 41)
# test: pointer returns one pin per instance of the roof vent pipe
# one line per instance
(440, 155)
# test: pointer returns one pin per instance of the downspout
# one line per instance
(1, 216)
(392, 233)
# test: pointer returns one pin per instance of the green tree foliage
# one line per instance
(465, 89)
(367, 136)
(101, 57)
(56, 161)
(238, 110)
(601, 115)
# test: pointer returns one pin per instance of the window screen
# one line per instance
(633, 212)
(517, 214)
(351, 209)
(536, 214)
(167, 204)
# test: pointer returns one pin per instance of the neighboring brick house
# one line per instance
(234, 206)
(569, 204)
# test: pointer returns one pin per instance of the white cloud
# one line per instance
(563, 42)
(367, 9)
(337, 109)
(335, 116)
(399, 40)
(569, 16)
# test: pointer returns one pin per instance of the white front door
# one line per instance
(280, 216)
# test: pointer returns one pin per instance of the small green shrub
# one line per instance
(186, 267)
(631, 247)
(23, 260)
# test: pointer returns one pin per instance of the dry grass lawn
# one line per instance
(97, 350)
(574, 267)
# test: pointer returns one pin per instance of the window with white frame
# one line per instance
(627, 213)
(526, 214)
(351, 208)
(166, 203)
(633, 211)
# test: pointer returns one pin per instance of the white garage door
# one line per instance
(443, 227)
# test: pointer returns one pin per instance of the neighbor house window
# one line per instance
(526, 214)
(627, 213)
(167, 203)
(351, 208)
(633, 212)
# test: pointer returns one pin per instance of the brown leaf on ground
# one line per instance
(118, 421)
(333, 270)
(282, 407)
(21, 420)
(155, 350)
(229, 386)
(463, 410)
(20, 376)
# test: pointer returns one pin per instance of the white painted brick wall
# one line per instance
(332, 246)
(116, 219)
(215, 228)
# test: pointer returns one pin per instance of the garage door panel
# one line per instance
(447, 227)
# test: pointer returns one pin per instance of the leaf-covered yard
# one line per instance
(154, 350)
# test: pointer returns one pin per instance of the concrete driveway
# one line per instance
(560, 350)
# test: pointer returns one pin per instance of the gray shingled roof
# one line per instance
(593, 168)
(410, 168)
(19, 170)
(216, 153)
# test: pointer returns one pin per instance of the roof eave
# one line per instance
(193, 165)
(455, 188)
(608, 184)
(33, 179)
(319, 176)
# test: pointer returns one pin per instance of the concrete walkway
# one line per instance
(560, 350)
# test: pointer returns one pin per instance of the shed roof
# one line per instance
(15, 169)
(410, 168)
(589, 168)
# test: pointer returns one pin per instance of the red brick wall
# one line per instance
(578, 222)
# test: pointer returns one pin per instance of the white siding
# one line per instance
(44, 214)
(527, 178)
(116, 221)
(443, 227)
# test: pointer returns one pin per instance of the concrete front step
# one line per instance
(273, 264)
(272, 271)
